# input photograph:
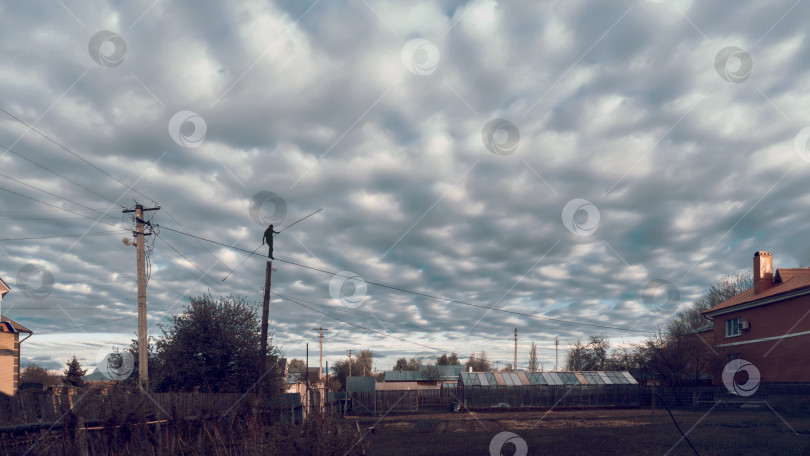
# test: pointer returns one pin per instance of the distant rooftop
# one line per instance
(444, 373)
(17, 327)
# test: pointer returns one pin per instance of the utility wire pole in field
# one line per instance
(140, 243)
(349, 351)
(320, 362)
(556, 356)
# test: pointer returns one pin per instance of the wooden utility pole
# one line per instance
(265, 316)
(320, 362)
(143, 340)
(514, 366)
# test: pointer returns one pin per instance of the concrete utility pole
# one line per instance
(350, 367)
(320, 362)
(265, 316)
(556, 347)
(514, 366)
(143, 340)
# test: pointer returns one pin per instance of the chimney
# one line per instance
(470, 368)
(763, 271)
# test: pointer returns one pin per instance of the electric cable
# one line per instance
(372, 330)
(676, 424)
(59, 175)
(398, 323)
(74, 154)
(57, 207)
(99, 233)
(439, 298)
(54, 195)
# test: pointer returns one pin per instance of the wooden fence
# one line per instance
(96, 422)
(27, 409)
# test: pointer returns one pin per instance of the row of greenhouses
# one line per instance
(546, 389)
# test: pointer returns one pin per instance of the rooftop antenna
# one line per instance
(257, 248)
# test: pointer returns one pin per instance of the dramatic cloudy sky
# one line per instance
(547, 158)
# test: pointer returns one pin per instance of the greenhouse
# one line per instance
(547, 389)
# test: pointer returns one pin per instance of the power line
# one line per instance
(74, 154)
(34, 210)
(369, 329)
(54, 195)
(183, 256)
(49, 219)
(89, 324)
(59, 175)
(439, 298)
(358, 326)
(57, 207)
(397, 323)
(66, 235)
(66, 149)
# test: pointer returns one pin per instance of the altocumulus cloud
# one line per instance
(678, 123)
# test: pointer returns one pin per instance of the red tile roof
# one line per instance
(786, 280)
(18, 327)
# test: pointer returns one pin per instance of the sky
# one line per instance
(565, 168)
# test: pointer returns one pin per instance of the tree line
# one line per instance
(213, 346)
(675, 353)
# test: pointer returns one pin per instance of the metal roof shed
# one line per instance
(360, 384)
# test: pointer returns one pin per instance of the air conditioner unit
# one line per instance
(745, 325)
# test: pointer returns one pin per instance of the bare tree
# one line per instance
(533, 358)
(296, 365)
(727, 287)
(479, 362)
(592, 356)
(678, 353)
(360, 367)
(445, 360)
(407, 364)
(430, 372)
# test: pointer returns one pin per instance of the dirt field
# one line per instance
(593, 432)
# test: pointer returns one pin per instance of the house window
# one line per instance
(734, 327)
(732, 356)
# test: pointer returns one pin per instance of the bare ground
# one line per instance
(717, 431)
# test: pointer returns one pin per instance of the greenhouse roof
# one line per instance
(545, 378)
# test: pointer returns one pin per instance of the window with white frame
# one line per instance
(734, 327)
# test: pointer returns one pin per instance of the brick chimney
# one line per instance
(763, 271)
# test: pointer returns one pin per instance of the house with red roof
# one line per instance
(767, 325)
(10, 348)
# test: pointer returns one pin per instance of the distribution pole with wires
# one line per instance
(556, 351)
(140, 243)
(346, 403)
(257, 248)
(514, 368)
(349, 351)
(320, 361)
(265, 316)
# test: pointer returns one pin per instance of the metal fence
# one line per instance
(788, 397)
